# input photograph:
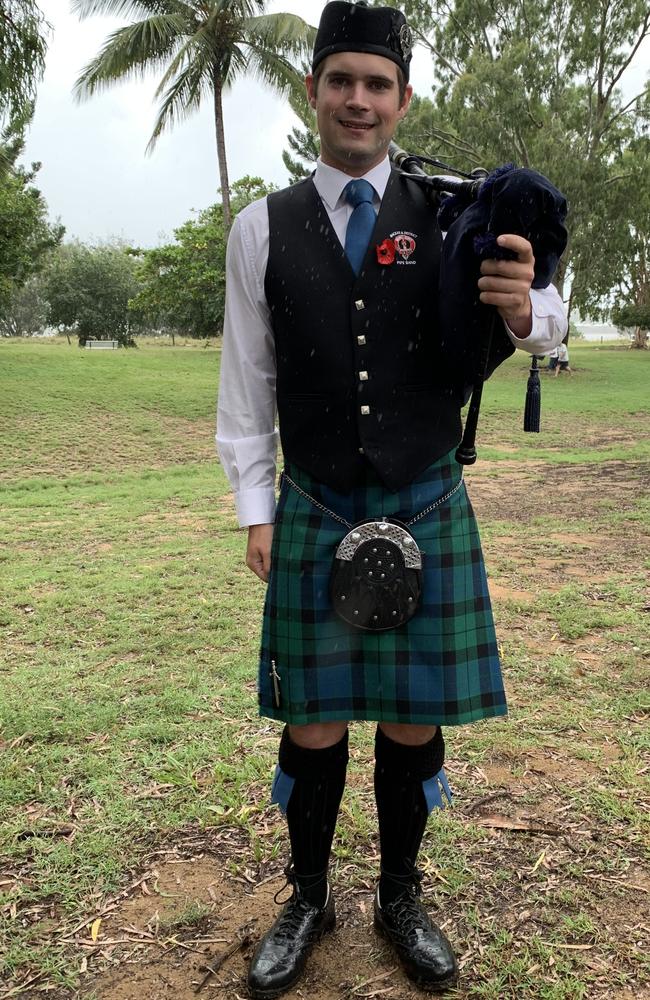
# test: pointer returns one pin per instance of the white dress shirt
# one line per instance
(247, 436)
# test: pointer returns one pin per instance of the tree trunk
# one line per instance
(221, 152)
(640, 339)
(568, 317)
(558, 281)
(560, 274)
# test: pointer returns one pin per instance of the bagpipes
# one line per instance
(473, 210)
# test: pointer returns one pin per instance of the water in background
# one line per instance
(601, 331)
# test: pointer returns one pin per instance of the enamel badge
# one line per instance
(404, 244)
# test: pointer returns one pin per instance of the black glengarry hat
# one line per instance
(355, 27)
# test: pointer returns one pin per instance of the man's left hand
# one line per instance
(506, 284)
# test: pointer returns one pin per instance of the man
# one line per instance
(562, 360)
(336, 326)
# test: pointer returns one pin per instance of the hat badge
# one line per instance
(405, 41)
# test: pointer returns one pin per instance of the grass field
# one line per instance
(136, 836)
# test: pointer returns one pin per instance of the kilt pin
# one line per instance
(442, 667)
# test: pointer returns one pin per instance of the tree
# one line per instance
(304, 143)
(26, 313)
(88, 290)
(635, 318)
(22, 61)
(183, 283)
(205, 45)
(26, 236)
(22, 54)
(631, 262)
(415, 132)
(537, 82)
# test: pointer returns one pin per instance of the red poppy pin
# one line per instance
(386, 252)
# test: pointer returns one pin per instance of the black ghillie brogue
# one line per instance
(424, 951)
(281, 955)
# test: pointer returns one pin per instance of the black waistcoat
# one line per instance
(362, 375)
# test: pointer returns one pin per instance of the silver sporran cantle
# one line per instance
(376, 579)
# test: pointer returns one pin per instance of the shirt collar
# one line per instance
(329, 181)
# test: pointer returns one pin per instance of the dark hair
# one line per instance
(401, 80)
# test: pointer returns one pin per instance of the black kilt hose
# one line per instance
(442, 667)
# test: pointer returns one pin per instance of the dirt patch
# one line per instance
(501, 593)
(169, 959)
(187, 909)
(501, 488)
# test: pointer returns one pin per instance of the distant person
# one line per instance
(561, 360)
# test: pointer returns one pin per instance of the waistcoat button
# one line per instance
(361, 340)
(365, 410)
(363, 376)
(360, 304)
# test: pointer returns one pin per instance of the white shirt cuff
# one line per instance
(249, 464)
(549, 324)
(255, 506)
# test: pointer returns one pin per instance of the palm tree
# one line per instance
(202, 46)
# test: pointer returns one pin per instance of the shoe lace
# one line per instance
(296, 908)
(291, 921)
(407, 908)
(289, 881)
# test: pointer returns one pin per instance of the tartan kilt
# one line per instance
(441, 667)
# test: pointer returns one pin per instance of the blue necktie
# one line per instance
(359, 194)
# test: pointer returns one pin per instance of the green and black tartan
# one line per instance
(442, 667)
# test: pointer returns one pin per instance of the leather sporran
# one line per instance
(376, 579)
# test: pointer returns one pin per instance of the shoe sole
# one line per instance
(271, 994)
(439, 986)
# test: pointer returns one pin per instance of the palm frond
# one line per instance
(181, 99)
(299, 101)
(132, 51)
(234, 64)
(126, 8)
(236, 9)
(274, 69)
(286, 33)
(197, 48)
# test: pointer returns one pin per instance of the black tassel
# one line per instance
(533, 409)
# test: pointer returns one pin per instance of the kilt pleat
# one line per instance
(441, 667)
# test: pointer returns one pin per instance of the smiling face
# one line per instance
(358, 106)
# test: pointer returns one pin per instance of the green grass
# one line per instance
(129, 632)
(596, 415)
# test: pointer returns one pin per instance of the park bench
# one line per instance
(104, 345)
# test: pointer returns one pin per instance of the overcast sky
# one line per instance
(95, 175)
